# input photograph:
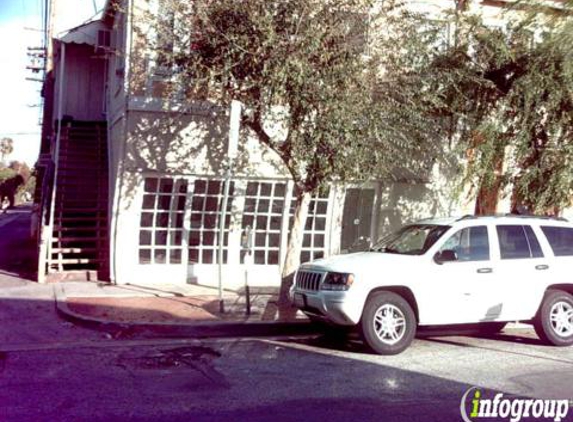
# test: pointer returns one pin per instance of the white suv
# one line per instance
(487, 270)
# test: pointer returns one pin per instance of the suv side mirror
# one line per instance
(447, 255)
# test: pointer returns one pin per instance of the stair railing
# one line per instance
(46, 258)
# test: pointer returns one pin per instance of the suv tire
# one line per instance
(388, 323)
(554, 321)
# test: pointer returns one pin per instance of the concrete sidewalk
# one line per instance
(175, 310)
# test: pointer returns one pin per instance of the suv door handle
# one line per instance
(485, 270)
(542, 267)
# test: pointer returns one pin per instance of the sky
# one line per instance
(20, 28)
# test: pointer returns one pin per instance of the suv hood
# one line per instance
(358, 262)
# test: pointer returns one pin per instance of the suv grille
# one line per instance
(308, 280)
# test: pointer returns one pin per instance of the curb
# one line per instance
(197, 329)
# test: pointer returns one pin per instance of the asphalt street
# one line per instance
(51, 370)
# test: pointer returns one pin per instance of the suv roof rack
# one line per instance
(542, 217)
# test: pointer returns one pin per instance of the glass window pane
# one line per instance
(209, 221)
(194, 238)
(263, 206)
(320, 224)
(252, 188)
(182, 186)
(161, 237)
(145, 256)
(512, 242)
(181, 203)
(276, 223)
(200, 186)
(176, 238)
(260, 257)
(197, 203)
(470, 244)
(148, 202)
(319, 241)
(193, 256)
(260, 239)
(146, 219)
(536, 251)
(250, 204)
(207, 256)
(266, 189)
(166, 185)
(278, 206)
(248, 220)
(322, 207)
(274, 240)
(175, 256)
(162, 219)
(306, 241)
(212, 204)
(208, 238)
(261, 222)
(196, 222)
(164, 203)
(560, 239)
(160, 256)
(150, 184)
(214, 187)
(280, 189)
(273, 258)
(145, 237)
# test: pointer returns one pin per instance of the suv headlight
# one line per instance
(338, 281)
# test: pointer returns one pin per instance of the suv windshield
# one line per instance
(415, 239)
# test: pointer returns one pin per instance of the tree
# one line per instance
(338, 77)
(510, 93)
(6, 148)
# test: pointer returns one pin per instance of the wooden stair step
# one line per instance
(80, 219)
(78, 239)
(74, 250)
(79, 229)
(80, 212)
(76, 261)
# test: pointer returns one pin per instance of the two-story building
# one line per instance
(133, 186)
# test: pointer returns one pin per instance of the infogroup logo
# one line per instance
(476, 406)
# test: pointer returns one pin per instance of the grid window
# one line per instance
(314, 235)
(205, 217)
(161, 220)
(264, 205)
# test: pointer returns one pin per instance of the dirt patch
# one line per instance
(145, 310)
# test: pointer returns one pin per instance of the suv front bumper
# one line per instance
(336, 307)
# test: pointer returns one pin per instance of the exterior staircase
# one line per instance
(79, 243)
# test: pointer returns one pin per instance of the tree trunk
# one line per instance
(488, 194)
(292, 258)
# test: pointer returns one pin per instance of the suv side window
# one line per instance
(560, 239)
(470, 244)
(517, 242)
(534, 246)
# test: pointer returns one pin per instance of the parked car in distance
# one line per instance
(486, 270)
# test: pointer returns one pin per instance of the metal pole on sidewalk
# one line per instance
(233, 146)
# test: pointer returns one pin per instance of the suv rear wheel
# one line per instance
(388, 323)
(554, 321)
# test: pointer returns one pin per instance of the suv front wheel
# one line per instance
(388, 323)
(554, 321)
